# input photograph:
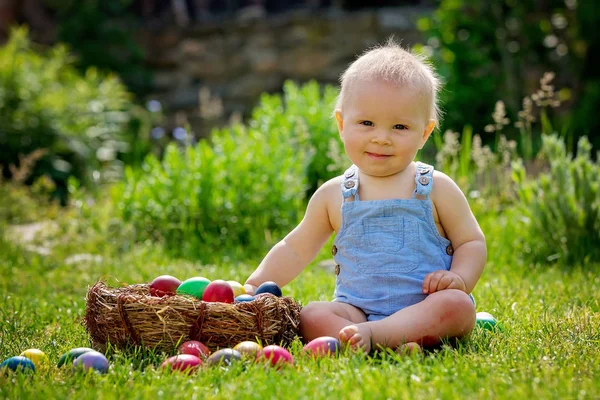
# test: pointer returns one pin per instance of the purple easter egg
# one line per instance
(92, 360)
(323, 346)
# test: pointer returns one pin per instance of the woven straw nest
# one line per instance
(130, 316)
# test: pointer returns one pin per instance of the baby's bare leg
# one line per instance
(323, 318)
(444, 314)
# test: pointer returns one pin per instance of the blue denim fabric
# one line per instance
(385, 248)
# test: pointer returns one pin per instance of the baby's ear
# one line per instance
(339, 119)
(427, 132)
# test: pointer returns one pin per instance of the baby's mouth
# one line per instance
(377, 155)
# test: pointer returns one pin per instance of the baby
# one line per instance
(408, 252)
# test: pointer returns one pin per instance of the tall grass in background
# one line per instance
(246, 187)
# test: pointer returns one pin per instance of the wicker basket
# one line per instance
(130, 316)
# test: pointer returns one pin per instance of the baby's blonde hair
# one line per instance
(392, 63)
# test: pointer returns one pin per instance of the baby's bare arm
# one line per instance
(460, 225)
(292, 254)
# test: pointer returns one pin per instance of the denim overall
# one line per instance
(385, 248)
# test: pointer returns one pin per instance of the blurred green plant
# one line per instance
(561, 207)
(494, 49)
(311, 105)
(87, 124)
(246, 188)
(20, 203)
(101, 33)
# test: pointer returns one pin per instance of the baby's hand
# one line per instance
(250, 289)
(440, 280)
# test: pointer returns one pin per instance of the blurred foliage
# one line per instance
(101, 35)
(500, 48)
(561, 207)
(87, 124)
(246, 188)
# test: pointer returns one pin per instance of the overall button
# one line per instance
(449, 250)
(349, 174)
(337, 269)
(424, 180)
(425, 171)
(349, 184)
(334, 250)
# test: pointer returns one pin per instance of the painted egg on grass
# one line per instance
(92, 360)
(243, 298)
(17, 364)
(269, 287)
(323, 346)
(164, 285)
(487, 321)
(277, 356)
(194, 287)
(248, 348)
(224, 357)
(38, 357)
(194, 348)
(72, 354)
(182, 362)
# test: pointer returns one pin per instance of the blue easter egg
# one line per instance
(269, 287)
(243, 298)
(92, 360)
(17, 364)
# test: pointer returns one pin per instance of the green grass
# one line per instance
(547, 349)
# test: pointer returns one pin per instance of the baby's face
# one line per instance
(383, 126)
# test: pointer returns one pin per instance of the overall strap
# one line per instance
(350, 183)
(423, 179)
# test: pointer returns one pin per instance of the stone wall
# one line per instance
(206, 74)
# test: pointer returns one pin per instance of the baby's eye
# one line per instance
(400, 126)
(366, 123)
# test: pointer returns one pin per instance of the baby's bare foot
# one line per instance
(409, 348)
(358, 337)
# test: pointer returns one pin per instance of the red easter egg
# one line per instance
(322, 346)
(164, 285)
(194, 348)
(218, 291)
(182, 362)
(276, 355)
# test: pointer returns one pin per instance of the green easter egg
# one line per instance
(486, 321)
(72, 354)
(193, 287)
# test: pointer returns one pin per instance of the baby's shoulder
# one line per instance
(332, 188)
(443, 186)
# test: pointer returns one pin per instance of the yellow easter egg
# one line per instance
(237, 287)
(38, 357)
(248, 348)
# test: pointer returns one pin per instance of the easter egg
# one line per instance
(218, 291)
(486, 321)
(194, 286)
(237, 287)
(224, 357)
(322, 346)
(38, 357)
(268, 287)
(92, 360)
(72, 354)
(242, 298)
(17, 364)
(276, 355)
(182, 362)
(248, 348)
(164, 285)
(194, 348)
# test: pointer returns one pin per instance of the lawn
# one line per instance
(548, 347)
